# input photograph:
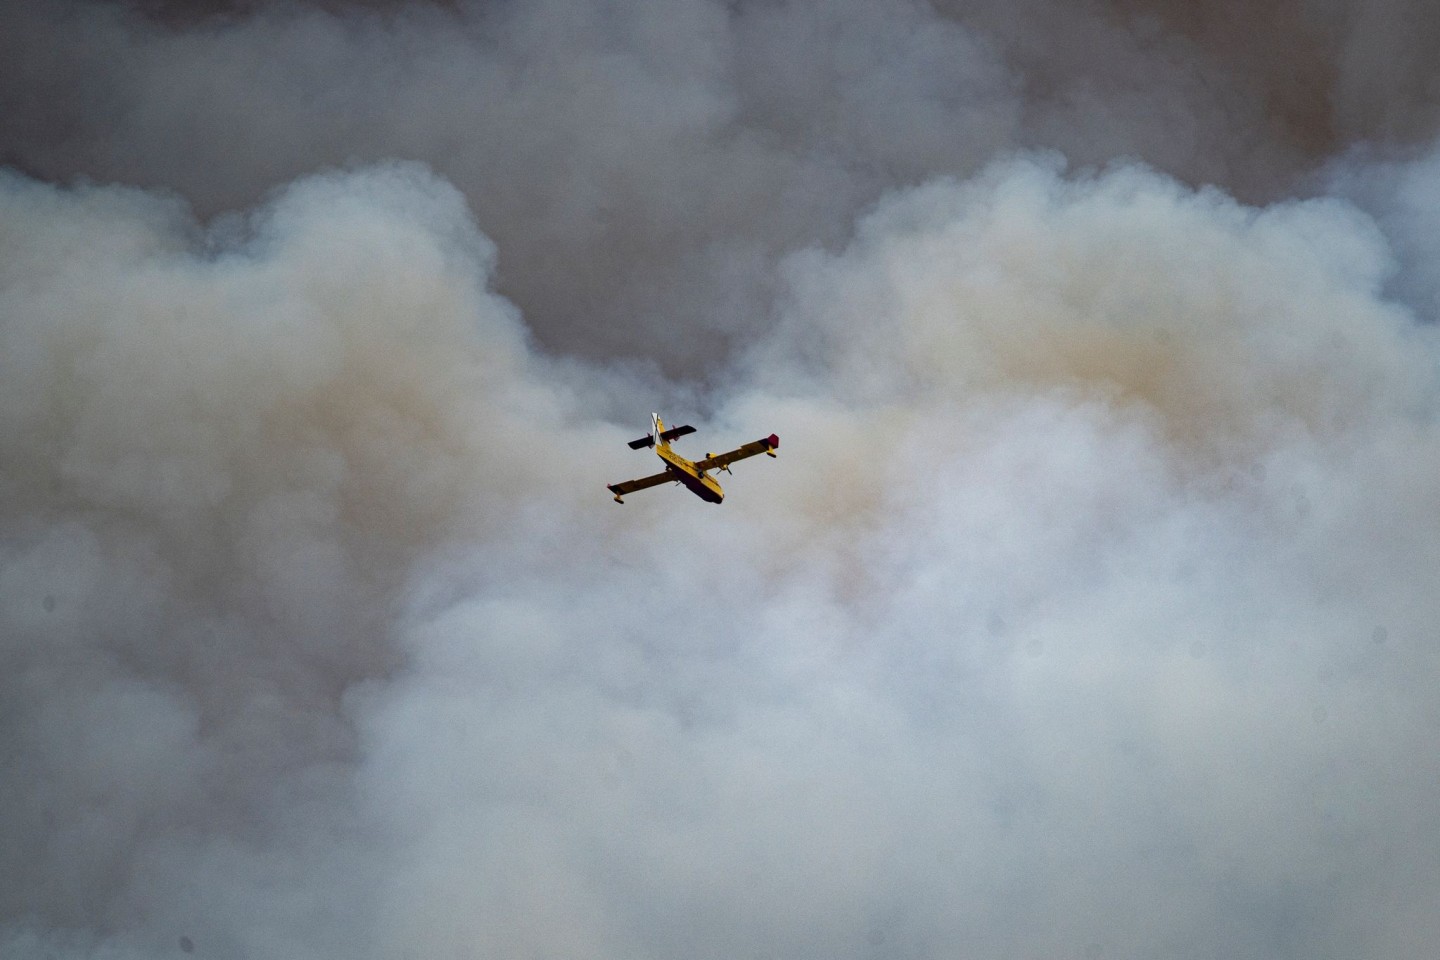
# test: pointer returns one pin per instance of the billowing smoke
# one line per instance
(1088, 611)
(644, 164)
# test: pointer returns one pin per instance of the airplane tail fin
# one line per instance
(659, 435)
(654, 436)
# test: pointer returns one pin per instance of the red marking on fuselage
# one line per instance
(697, 487)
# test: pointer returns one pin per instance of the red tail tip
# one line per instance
(773, 440)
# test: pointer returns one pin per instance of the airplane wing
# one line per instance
(723, 460)
(630, 486)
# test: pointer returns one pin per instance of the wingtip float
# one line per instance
(693, 474)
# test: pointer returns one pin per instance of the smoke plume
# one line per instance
(1088, 610)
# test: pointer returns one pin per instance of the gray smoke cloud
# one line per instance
(1088, 610)
(645, 165)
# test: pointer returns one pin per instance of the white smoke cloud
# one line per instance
(222, 454)
(1018, 629)
(1086, 611)
(1400, 193)
(645, 166)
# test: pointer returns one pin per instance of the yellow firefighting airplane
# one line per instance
(689, 472)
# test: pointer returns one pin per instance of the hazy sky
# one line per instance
(1090, 610)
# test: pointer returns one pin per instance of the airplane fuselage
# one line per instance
(696, 480)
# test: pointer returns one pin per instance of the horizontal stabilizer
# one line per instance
(674, 432)
(646, 441)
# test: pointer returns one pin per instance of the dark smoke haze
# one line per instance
(1089, 611)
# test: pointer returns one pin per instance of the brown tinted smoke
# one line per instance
(1087, 611)
(643, 166)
